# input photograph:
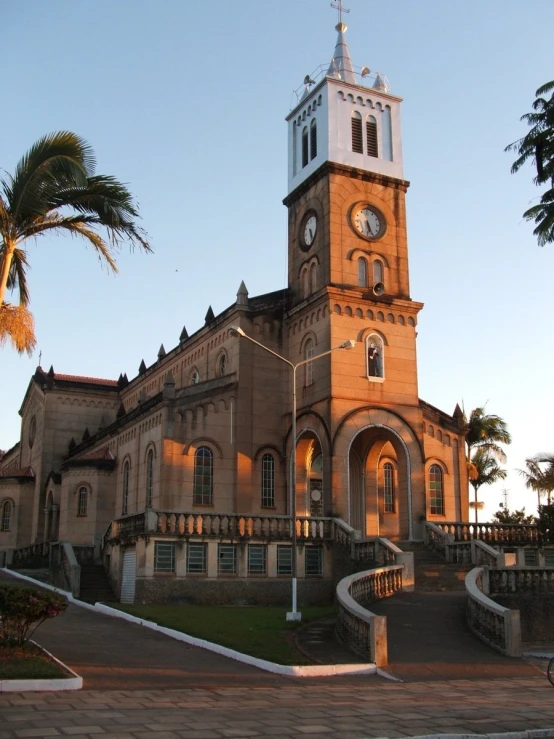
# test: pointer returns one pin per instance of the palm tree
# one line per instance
(486, 431)
(54, 190)
(486, 472)
(539, 475)
(538, 147)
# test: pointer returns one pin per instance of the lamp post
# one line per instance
(293, 615)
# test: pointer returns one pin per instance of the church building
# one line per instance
(301, 403)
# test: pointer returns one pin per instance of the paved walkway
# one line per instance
(138, 684)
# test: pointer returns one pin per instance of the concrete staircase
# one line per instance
(432, 573)
(95, 585)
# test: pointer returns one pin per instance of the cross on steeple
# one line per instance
(338, 5)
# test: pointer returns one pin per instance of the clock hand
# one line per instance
(311, 234)
(369, 232)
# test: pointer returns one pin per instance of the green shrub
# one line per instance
(23, 610)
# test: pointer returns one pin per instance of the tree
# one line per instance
(54, 190)
(538, 147)
(486, 431)
(539, 475)
(504, 515)
(487, 472)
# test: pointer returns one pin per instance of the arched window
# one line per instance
(305, 282)
(305, 152)
(371, 133)
(268, 481)
(82, 502)
(375, 357)
(378, 272)
(125, 502)
(222, 365)
(6, 516)
(436, 490)
(308, 354)
(316, 486)
(203, 486)
(149, 477)
(294, 147)
(357, 137)
(313, 277)
(362, 272)
(194, 377)
(313, 139)
(388, 487)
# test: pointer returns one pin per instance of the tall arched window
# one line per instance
(375, 357)
(357, 137)
(313, 139)
(436, 490)
(203, 486)
(305, 282)
(149, 477)
(194, 377)
(313, 277)
(82, 502)
(6, 516)
(362, 272)
(371, 133)
(378, 272)
(294, 147)
(305, 152)
(308, 354)
(388, 487)
(268, 481)
(222, 365)
(125, 502)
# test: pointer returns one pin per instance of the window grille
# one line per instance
(388, 487)
(257, 559)
(196, 558)
(314, 561)
(357, 138)
(203, 477)
(268, 481)
(362, 272)
(284, 560)
(436, 491)
(149, 477)
(371, 133)
(226, 559)
(82, 503)
(305, 147)
(531, 557)
(164, 557)
(6, 516)
(308, 354)
(125, 504)
(313, 139)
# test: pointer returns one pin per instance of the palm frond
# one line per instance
(18, 327)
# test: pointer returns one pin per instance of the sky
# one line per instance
(186, 102)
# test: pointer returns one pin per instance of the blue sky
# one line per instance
(186, 101)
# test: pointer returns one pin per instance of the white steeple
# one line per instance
(345, 117)
(341, 64)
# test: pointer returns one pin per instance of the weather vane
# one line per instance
(339, 7)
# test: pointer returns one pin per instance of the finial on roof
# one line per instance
(51, 371)
(242, 294)
(184, 334)
(380, 83)
(142, 368)
(341, 63)
(161, 352)
(86, 435)
(120, 411)
(209, 315)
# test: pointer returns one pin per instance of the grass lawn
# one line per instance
(27, 663)
(259, 631)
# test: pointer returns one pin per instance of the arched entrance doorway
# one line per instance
(379, 483)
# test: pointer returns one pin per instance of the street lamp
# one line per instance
(293, 615)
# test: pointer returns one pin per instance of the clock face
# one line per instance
(368, 222)
(310, 228)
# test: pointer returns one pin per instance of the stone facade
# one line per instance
(195, 451)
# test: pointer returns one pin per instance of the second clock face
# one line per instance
(368, 222)
(309, 230)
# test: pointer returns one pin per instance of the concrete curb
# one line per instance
(530, 734)
(62, 683)
(262, 664)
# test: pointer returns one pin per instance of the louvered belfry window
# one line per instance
(371, 132)
(313, 140)
(304, 146)
(357, 138)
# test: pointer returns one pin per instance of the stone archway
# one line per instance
(378, 474)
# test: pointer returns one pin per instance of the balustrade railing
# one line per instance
(492, 623)
(497, 533)
(516, 580)
(364, 632)
(129, 526)
(35, 555)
